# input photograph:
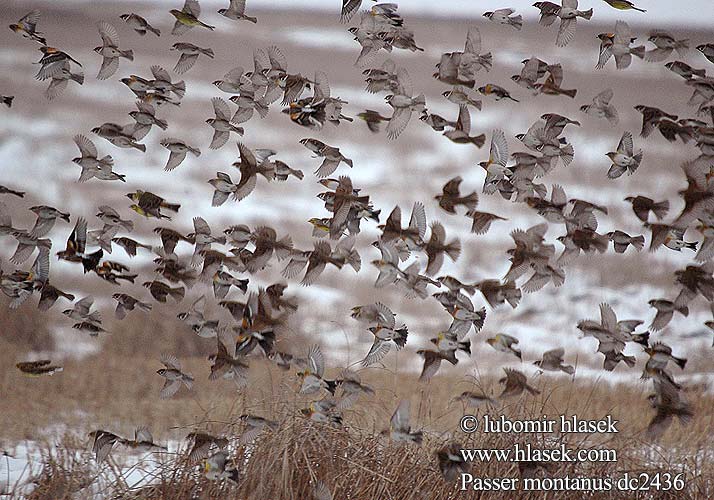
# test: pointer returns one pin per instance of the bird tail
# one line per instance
(570, 370)
(179, 88)
(77, 77)
(91, 261)
(354, 260)
(486, 60)
(479, 140)
(174, 207)
(465, 346)
(283, 247)
(700, 73)
(471, 201)
(532, 390)
(331, 386)
(692, 245)
(7, 101)
(177, 293)
(641, 338)
(401, 338)
(128, 54)
(681, 362)
(127, 277)
(253, 20)
(417, 437)
(570, 93)
(683, 310)
(585, 14)
(638, 242)
(638, 9)
(638, 51)
(209, 51)
(629, 360)
(567, 153)
(660, 209)
(163, 124)
(155, 31)
(453, 250)
(516, 21)
(140, 147)
(143, 305)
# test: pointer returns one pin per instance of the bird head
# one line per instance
(488, 14)
(161, 371)
(98, 49)
(124, 17)
(584, 108)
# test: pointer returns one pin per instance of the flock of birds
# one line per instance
(261, 319)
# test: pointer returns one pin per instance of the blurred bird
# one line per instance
(236, 11)
(553, 361)
(38, 368)
(515, 382)
(27, 27)
(399, 428)
(189, 54)
(187, 18)
(623, 5)
(601, 107)
(568, 15)
(624, 159)
(504, 16)
(139, 24)
(174, 376)
(504, 343)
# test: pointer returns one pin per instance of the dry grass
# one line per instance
(353, 460)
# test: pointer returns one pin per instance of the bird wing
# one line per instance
(185, 62)
(316, 360)
(109, 34)
(473, 41)
(109, 67)
(625, 145)
(220, 107)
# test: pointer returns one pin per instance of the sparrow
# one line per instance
(332, 156)
(139, 24)
(217, 466)
(451, 462)
(255, 426)
(650, 118)
(515, 382)
(460, 134)
(46, 217)
(568, 15)
(385, 333)
(621, 240)
(372, 119)
(7, 190)
(222, 126)
(110, 51)
(178, 150)
(187, 18)
(685, 70)
(553, 361)
(399, 428)
(189, 53)
(49, 294)
(624, 159)
(504, 16)
(403, 103)
(665, 311)
(92, 166)
(436, 247)
(174, 376)
(312, 375)
(250, 165)
(642, 206)
(126, 303)
(601, 107)
(160, 290)
(665, 44)
(236, 11)
(60, 80)
(451, 197)
(202, 444)
(548, 12)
